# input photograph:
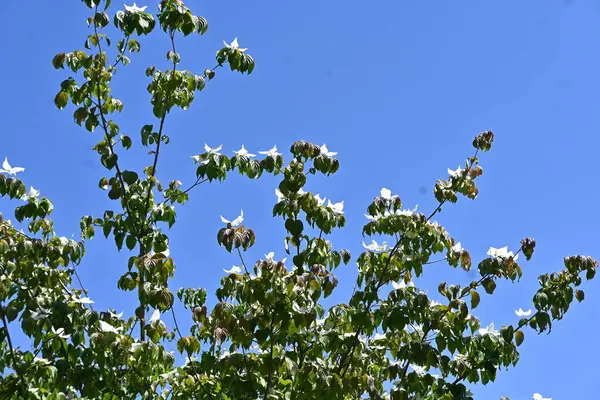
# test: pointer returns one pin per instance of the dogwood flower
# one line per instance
(214, 150)
(234, 46)
(402, 284)
(155, 316)
(60, 332)
(537, 396)
(106, 327)
(490, 330)
(280, 196)
(374, 246)
(82, 300)
(134, 9)
(325, 151)
(338, 208)
(8, 169)
(434, 303)
(33, 193)
(502, 253)
(320, 201)
(116, 316)
(271, 152)
(233, 270)
(244, 153)
(408, 213)
(270, 256)
(521, 313)
(40, 314)
(387, 194)
(457, 247)
(235, 222)
(457, 173)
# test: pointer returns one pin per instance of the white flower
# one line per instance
(418, 369)
(457, 247)
(320, 201)
(402, 284)
(338, 208)
(378, 336)
(135, 346)
(521, 313)
(106, 327)
(41, 360)
(490, 330)
(456, 173)
(434, 303)
(235, 222)
(113, 315)
(374, 246)
(233, 270)
(60, 332)
(215, 150)
(82, 300)
(280, 196)
(271, 152)
(502, 253)
(270, 256)
(7, 169)
(407, 213)
(40, 314)
(32, 194)
(372, 218)
(134, 8)
(244, 153)
(234, 45)
(387, 194)
(537, 396)
(155, 316)
(325, 151)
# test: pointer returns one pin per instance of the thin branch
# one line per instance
(12, 352)
(243, 262)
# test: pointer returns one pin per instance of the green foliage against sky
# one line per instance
(269, 335)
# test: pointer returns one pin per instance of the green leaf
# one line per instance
(130, 177)
(59, 60)
(519, 337)
(131, 242)
(61, 99)
(475, 299)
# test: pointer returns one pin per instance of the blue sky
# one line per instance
(398, 88)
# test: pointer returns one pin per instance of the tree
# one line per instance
(268, 336)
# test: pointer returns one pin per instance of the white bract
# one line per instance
(244, 153)
(60, 332)
(320, 201)
(234, 45)
(233, 270)
(82, 300)
(271, 152)
(280, 196)
(325, 151)
(108, 328)
(537, 396)
(338, 208)
(490, 330)
(457, 247)
(33, 194)
(155, 316)
(374, 246)
(502, 253)
(235, 222)
(135, 9)
(387, 194)
(521, 313)
(402, 284)
(457, 173)
(8, 169)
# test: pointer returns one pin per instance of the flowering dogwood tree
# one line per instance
(269, 335)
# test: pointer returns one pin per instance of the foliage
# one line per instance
(268, 336)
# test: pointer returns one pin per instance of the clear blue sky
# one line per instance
(398, 88)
